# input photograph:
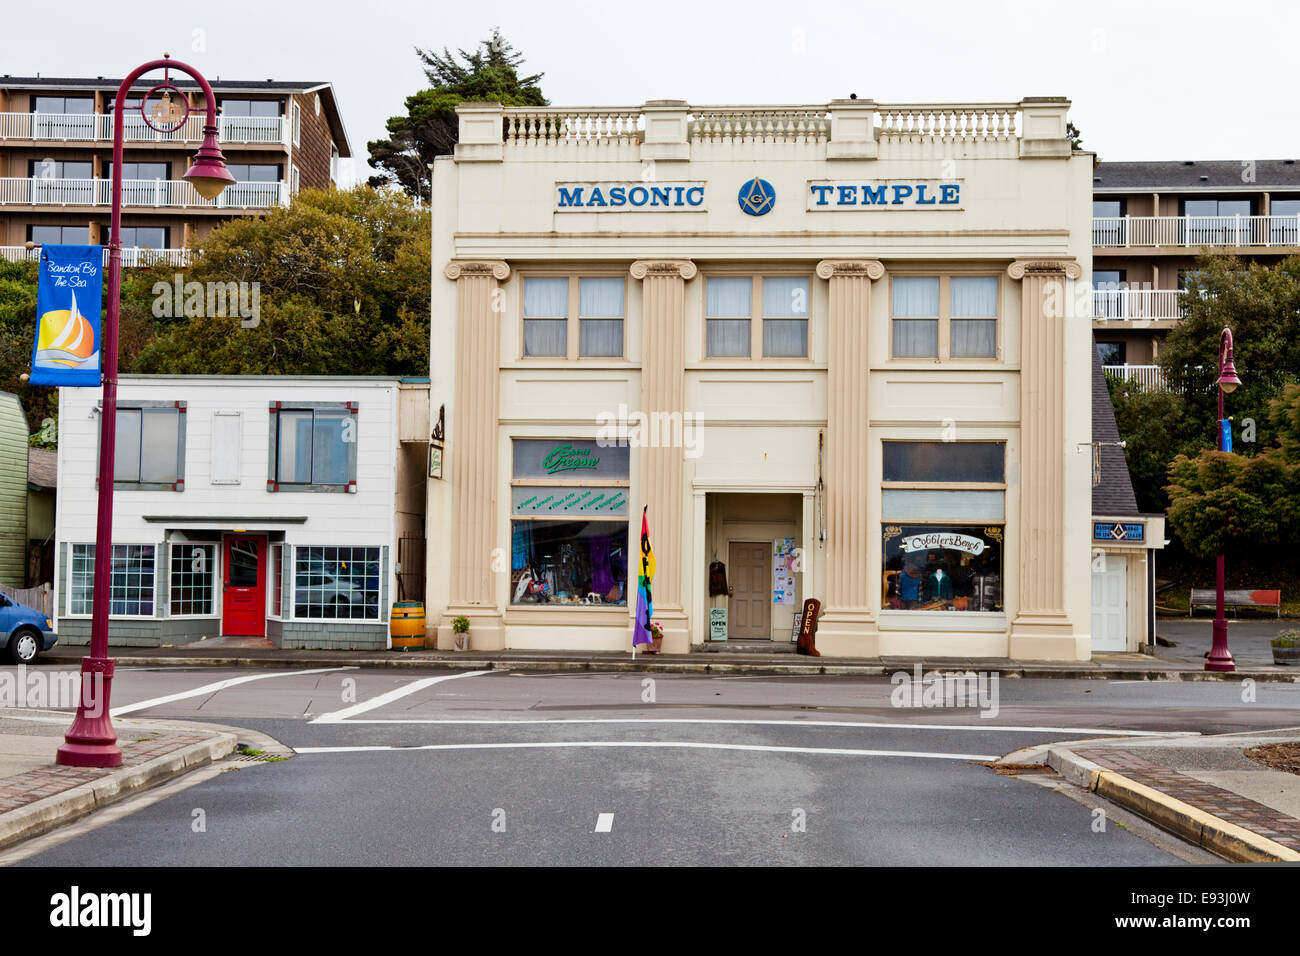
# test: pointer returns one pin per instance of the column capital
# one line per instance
(477, 267)
(1049, 265)
(683, 268)
(871, 268)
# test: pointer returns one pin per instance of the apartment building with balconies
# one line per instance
(1151, 220)
(56, 153)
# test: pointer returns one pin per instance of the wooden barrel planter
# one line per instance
(406, 625)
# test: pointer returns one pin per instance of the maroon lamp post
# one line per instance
(90, 741)
(1220, 658)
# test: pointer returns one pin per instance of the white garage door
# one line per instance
(1110, 604)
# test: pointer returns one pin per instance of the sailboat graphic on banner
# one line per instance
(67, 346)
(67, 338)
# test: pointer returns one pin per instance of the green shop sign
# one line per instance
(569, 458)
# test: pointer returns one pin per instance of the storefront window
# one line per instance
(337, 583)
(942, 567)
(193, 578)
(131, 587)
(569, 562)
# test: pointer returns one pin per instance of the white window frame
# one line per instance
(296, 119)
(216, 579)
(153, 599)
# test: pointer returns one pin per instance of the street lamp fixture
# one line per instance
(1220, 658)
(91, 741)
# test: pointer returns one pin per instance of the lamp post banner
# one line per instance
(68, 292)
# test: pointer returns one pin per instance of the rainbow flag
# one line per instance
(645, 575)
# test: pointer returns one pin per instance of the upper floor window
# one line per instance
(296, 118)
(1107, 208)
(942, 317)
(59, 235)
(313, 447)
(146, 171)
(149, 450)
(556, 308)
(144, 237)
(59, 169)
(81, 105)
(233, 108)
(733, 329)
(254, 173)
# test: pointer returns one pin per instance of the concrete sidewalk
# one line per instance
(36, 794)
(1203, 789)
(220, 653)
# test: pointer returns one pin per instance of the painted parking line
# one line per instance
(214, 687)
(604, 822)
(340, 716)
(875, 725)
(645, 744)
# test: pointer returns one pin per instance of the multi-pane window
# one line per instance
(337, 583)
(561, 312)
(313, 447)
(1217, 222)
(1107, 300)
(149, 451)
(943, 511)
(296, 118)
(132, 580)
(1112, 353)
(733, 330)
(193, 578)
(254, 172)
(138, 171)
(942, 317)
(59, 169)
(254, 121)
(1108, 222)
(1281, 231)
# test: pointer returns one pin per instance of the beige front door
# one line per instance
(749, 575)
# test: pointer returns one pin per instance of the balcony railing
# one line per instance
(1195, 231)
(1150, 378)
(132, 257)
(158, 193)
(98, 127)
(1135, 304)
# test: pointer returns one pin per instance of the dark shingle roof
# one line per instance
(43, 467)
(1113, 496)
(184, 82)
(1220, 175)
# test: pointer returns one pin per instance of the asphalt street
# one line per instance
(545, 769)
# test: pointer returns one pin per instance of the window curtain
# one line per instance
(916, 338)
(975, 304)
(916, 297)
(785, 311)
(974, 338)
(785, 338)
(329, 457)
(599, 337)
(546, 337)
(294, 447)
(728, 306)
(546, 298)
(600, 312)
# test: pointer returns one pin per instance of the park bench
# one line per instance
(1235, 600)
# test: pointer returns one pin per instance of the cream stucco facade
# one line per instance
(851, 198)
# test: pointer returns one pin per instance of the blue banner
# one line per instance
(68, 294)
(1226, 424)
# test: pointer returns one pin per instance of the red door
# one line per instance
(243, 605)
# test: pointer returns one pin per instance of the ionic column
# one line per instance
(847, 625)
(471, 453)
(663, 392)
(1040, 617)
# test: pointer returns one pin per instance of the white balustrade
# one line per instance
(1150, 378)
(98, 127)
(1131, 304)
(131, 257)
(173, 193)
(1195, 231)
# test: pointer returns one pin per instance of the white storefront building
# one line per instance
(848, 346)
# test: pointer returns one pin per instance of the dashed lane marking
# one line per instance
(340, 716)
(604, 822)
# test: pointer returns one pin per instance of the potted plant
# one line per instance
(460, 630)
(657, 637)
(1286, 646)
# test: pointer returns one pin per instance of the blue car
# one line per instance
(24, 631)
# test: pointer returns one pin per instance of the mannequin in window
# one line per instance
(909, 585)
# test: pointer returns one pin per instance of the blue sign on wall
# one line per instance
(757, 197)
(1118, 531)
(68, 288)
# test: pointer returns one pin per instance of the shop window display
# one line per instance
(569, 563)
(929, 567)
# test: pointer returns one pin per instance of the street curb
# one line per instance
(1228, 840)
(61, 808)
(712, 667)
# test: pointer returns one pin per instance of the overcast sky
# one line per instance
(1148, 80)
